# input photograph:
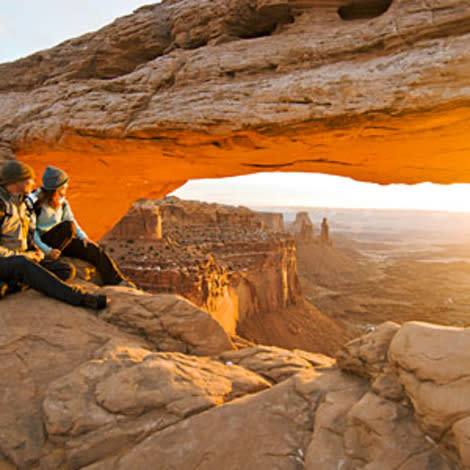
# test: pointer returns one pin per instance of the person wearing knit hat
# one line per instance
(58, 233)
(21, 262)
(53, 178)
(14, 171)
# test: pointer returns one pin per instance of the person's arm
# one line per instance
(35, 255)
(68, 215)
(46, 249)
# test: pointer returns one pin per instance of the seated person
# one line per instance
(21, 262)
(58, 233)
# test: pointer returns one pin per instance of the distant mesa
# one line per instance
(302, 228)
(238, 264)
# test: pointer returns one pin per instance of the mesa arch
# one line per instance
(190, 89)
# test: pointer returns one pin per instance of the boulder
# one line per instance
(168, 322)
(122, 395)
(266, 430)
(276, 364)
(41, 340)
(433, 364)
(367, 356)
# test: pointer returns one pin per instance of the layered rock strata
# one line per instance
(220, 257)
(193, 89)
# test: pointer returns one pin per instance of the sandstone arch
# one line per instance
(196, 88)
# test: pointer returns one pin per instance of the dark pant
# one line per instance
(62, 237)
(63, 270)
(17, 270)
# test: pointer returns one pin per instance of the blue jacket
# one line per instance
(49, 217)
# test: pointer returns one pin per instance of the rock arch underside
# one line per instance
(211, 88)
(377, 90)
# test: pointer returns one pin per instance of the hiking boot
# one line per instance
(3, 289)
(94, 301)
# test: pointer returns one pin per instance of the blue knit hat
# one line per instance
(53, 178)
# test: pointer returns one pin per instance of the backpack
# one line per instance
(32, 204)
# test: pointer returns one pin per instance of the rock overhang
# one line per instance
(383, 99)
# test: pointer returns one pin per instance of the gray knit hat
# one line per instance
(14, 171)
(53, 178)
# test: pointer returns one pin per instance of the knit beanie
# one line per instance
(14, 171)
(53, 178)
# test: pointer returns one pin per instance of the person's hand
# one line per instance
(54, 254)
(35, 255)
(87, 241)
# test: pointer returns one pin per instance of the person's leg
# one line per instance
(60, 235)
(95, 254)
(19, 269)
(64, 270)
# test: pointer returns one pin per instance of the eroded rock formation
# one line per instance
(189, 89)
(80, 393)
(42, 340)
(231, 261)
(302, 228)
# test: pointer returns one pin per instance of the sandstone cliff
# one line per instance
(155, 382)
(302, 228)
(192, 89)
(228, 261)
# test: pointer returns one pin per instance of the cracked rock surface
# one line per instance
(80, 391)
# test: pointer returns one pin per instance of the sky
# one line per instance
(27, 26)
(318, 190)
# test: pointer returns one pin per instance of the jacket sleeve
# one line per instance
(68, 215)
(46, 249)
(34, 239)
(4, 251)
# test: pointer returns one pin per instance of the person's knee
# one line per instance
(69, 228)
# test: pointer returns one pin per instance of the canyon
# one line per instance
(239, 265)
(247, 373)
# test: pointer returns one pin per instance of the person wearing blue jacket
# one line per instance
(58, 233)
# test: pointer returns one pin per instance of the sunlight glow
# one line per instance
(318, 190)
